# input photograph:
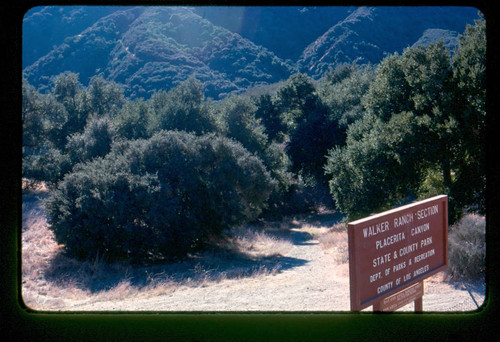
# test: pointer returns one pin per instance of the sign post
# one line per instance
(391, 253)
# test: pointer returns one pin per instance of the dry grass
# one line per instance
(259, 243)
(467, 248)
(49, 278)
(334, 241)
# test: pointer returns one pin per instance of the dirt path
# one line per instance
(309, 279)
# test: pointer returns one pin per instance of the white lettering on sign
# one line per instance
(426, 242)
(384, 287)
(390, 240)
(420, 229)
(405, 219)
(375, 277)
(403, 297)
(408, 249)
(424, 256)
(423, 213)
(420, 270)
(380, 260)
(376, 229)
(399, 266)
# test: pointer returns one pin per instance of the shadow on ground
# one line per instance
(302, 238)
(195, 270)
(478, 285)
(218, 264)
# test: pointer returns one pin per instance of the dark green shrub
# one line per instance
(132, 121)
(467, 248)
(268, 112)
(379, 167)
(183, 108)
(240, 123)
(32, 116)
(94, 141)
(50, 165)
(158, 198)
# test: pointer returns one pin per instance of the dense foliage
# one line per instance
(157, 198)
(419, 129)
(149, 179)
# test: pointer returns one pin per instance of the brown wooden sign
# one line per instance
(393, 250)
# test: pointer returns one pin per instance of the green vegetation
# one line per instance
(420, 131)
(157, 198)
(151, 179)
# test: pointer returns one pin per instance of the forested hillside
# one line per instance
(229, 49)
(146, 49)
(368, 34)
(45, 28)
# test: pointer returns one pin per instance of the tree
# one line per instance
(59, 129)
(148, 200)
(238, 115)
(183, 108)
(428, 72)
(310, 142)
(268, 112)
(133, 119)
(469, 72)
(295, 97)
(44, 120)
(311, 131)
(380, 165)
(389, 92)
(342, 90)
(414, 139)
(237, 120)
(66, 86)
(105, 97)
(49, 166)
(33, 117)
(55, 119)
(429, 83)
(420, 81)
(68, 91)
(95, 141)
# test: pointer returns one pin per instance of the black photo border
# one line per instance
(18, 323)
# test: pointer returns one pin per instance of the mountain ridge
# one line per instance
(146, 49)
(383, 31)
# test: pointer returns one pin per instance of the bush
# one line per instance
(95, 141)
(183, 108)
(467, 248)
(148, 200)
(49, 165)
